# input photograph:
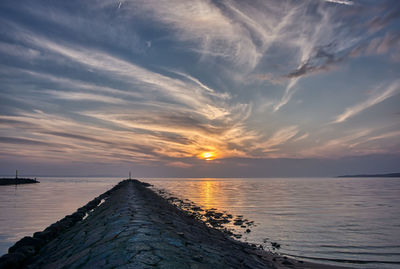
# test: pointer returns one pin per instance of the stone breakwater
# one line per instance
(130, 226)
(16, 181)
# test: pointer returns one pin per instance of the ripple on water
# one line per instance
(332, 220)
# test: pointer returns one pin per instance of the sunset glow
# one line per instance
(208, 156)
(163, 85)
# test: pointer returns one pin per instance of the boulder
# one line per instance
(12, 260)
(27, 241)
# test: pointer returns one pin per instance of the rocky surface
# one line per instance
(220, 220)
(131, 226)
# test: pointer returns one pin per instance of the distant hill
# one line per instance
(374, 175)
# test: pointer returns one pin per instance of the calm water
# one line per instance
(25, 209)
(326, 219)
(356, 219)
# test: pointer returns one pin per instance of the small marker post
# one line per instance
(129, 174)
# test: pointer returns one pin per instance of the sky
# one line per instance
(177, 88)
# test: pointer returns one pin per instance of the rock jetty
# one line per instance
(131, 226)
(16, 181)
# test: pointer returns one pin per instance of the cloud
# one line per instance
(10, 123)
(272, 78)
(289, 91)
(78, 140)
(79, 96)
(233, 31)
(279, 138)
(195, 80)
(391, 134)
(322, 60)
(243, 33)
(342, 2)
(18, 51)
(135, 75)
(202, 23)
(172, 117)
(196, 95)
(377, 98)
(338, 146)
(354, 142)
(85, 138)
(314, 32)
(387, 44)
(24, 141)
(379, 22)
(304, 136)
(328, 41)
(180, 164)
(150, 82)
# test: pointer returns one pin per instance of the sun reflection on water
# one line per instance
(207, 193)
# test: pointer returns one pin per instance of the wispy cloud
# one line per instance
(301, 137)
(205, 24)
(311, 55)
(289, 91)
(387, 44)
(18, 51)
(196, 95)
(320, 61)
(379, 22)
(356, 142)
(148, 81)
(326, 43)
(24, 141)
(391, 134)
(235, 31)
(342, 2)
(338, 146)
(390, 91)
(194, 115)
(79, 96)
(279, 138)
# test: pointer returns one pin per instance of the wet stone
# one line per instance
(147, 258)
(157, 235)
(138, 247)
(175, 242)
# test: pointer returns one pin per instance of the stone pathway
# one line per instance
(135, 228)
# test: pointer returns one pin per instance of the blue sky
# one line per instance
(266, 88)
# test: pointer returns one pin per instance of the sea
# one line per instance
(351, 222)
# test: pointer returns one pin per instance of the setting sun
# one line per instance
(208, 156)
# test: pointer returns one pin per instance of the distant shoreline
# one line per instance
(16, 181)
(374, 175)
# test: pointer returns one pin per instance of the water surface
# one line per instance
(28, 208)
(353, 220)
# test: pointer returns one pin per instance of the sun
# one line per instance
(208, 156)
